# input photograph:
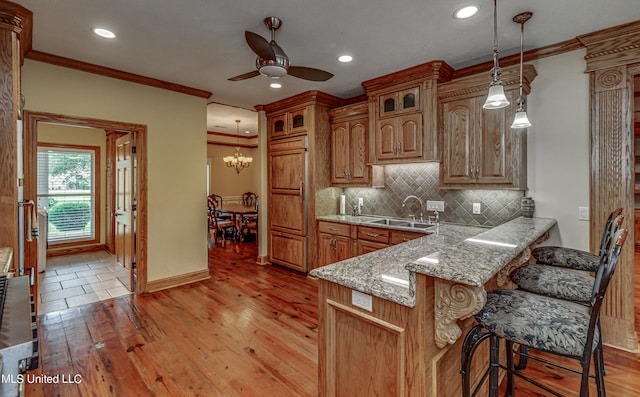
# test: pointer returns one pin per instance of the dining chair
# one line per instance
(539, 322)
(218, 219)
(249, 221)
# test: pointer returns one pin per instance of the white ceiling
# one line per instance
(200, 43)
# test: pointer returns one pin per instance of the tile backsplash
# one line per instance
(422, 180)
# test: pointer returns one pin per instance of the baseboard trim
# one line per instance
(51, 252)
(175, 281)
(263, 260)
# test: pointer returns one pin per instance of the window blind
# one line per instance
(66, 189)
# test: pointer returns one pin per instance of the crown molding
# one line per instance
(113, 73)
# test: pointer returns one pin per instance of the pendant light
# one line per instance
(521, 120)
(496, 98)
(238, 161)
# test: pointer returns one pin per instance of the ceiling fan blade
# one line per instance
(260, 46)
(245, 76)
(306, 73)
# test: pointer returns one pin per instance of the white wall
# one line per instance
(177, 153)
(559, 147)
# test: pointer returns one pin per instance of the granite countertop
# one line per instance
(463, 254)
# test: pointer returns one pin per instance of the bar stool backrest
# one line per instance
(608, 263)
(608, 227)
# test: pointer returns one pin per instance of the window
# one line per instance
(67, 184)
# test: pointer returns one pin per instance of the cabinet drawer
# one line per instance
(364, 247)
(340, 229)
(288, 250)
(373, 234)
(401, 236)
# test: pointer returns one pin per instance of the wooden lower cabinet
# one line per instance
(402, 236)
(334, 242)
(389, 351)
(364, 246)
(289, 250)
(333, 248)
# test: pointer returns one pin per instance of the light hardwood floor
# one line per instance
(248, 331)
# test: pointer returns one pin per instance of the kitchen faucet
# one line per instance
(411, 196)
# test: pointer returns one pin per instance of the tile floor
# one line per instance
(74, 280)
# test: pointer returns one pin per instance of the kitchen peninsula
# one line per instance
(391, 321)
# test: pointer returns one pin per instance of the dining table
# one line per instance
(237, 211)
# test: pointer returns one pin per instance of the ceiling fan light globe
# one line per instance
(273, 71)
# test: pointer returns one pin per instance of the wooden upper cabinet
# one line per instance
(404, 109)
(478, 142)
(350, 145)
(480, 149)
(398, 102)
(399, 138)
(290, 123)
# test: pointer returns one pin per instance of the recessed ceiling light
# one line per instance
(107, 34)
(247, 132)
(345, 58)
(275, 85)
(465, 12)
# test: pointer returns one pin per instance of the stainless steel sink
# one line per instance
(419, 225)
(402, 223)
(391, 222)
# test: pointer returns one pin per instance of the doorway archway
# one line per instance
(32, 119)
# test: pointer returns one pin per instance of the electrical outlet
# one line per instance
(360, 201)
(435, 206)
(583, 213)
(361, 300)
(476, 208)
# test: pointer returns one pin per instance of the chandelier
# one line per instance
(238, 161)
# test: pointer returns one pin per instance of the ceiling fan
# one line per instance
(272, 61)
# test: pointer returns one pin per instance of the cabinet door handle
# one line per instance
(333, 229)
(373, 235)
(285, 235)
(301, 193)
(477, 172)
(399, 147)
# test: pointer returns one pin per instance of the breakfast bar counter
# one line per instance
(391, 321)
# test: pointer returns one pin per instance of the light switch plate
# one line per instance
(362, 300)
(476, 208)
(583, 213)
(435, 206)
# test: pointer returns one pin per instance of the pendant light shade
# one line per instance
(496, 98)
(521, 120)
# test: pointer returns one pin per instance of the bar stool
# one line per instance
(539, 322)
(573, 258)
(562, 282)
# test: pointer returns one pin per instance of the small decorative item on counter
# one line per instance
(528, 206)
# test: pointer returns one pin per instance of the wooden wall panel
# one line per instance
(612, 58)
(9, 92)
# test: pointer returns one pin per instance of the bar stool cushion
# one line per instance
(556, 282)
(567, 257)
(537, 321)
